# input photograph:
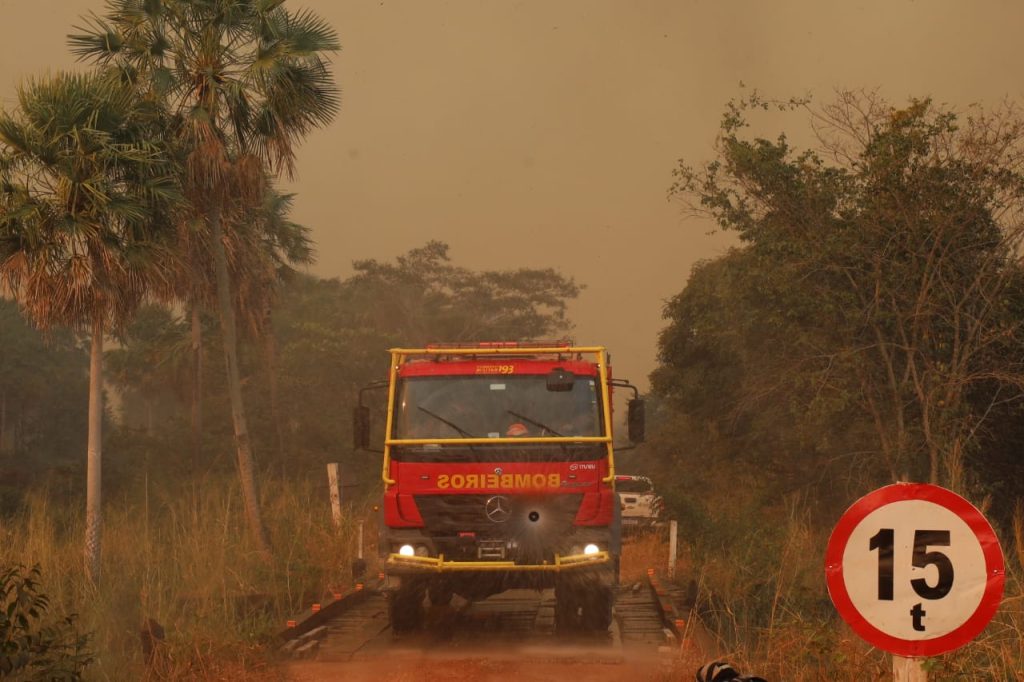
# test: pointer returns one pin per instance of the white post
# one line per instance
(908, 670)
(332, 480)
(672, 531)
(359, 555)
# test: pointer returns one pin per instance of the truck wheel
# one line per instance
(597, 608)
(440, 592)
(567, 607)
(405, 608)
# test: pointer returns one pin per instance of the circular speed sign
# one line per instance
(914, 569)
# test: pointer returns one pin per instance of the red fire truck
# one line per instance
(499, 473)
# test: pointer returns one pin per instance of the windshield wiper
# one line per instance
(536, 423)
(462, 432)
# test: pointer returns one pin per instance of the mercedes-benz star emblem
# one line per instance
(498, 509)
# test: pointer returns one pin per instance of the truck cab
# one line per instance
(499, 473)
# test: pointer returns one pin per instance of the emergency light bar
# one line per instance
(503, 345)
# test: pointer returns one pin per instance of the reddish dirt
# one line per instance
(482, 669)
(499, 663)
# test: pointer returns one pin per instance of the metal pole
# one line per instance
(908, 670)
(332, 480)
(360, 554)
(672, 531)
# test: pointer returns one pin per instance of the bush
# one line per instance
(33, 647)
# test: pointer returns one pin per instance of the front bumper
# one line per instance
(438, 564)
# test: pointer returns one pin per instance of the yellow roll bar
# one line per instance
(438, 564)
(399, 356)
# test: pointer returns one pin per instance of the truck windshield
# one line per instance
(495, 407)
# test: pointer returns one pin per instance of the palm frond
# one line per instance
(307, 34)
(98, 41)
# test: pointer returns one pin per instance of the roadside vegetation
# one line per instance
(868, 329)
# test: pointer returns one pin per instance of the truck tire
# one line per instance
(405, 608)
(583, 607)
(567, 607)
(597, 609)
(440, 592)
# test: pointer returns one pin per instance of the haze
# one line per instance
(543, 132)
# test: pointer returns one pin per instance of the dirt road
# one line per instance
(507, 637)
(487, 666)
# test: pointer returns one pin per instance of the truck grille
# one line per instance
(548, 516)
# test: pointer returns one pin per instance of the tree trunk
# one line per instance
(270, 353)
(197, 405)
(93, 517)
(3, 421)
(243, 447)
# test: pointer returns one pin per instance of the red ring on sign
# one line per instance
(969, 514)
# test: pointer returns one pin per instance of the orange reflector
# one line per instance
(680, 624)
(292, 623)
(359, 586)
(650, 571)
(380, 576)
(336, 595)
(316, 608)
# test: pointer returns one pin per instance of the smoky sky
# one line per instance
(543, 133)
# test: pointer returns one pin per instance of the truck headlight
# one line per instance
(591, 549)
(406, 550)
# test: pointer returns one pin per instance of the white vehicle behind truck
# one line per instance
(641, 506)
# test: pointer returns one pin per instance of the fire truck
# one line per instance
(499, 473)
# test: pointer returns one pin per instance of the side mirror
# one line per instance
(361, 427)
(560, 380)
(635, 420)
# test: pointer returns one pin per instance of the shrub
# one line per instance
(32, 646)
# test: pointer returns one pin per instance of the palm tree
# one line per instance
(275, 244)
(247, 80)
(84, 193)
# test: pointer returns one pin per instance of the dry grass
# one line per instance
(649, 549)
(761, 602)
(764, 608)
(191, 569)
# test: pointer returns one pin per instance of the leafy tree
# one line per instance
(43, 417)
(877, 280)
(33, 647)
(333, 335)
(422, 297)
(247, 80)
(83, 191)
(331, 341)
(152, 360)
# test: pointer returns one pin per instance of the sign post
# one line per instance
(673, 534)
(915, 570)
(907, 670)
(335, 488)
